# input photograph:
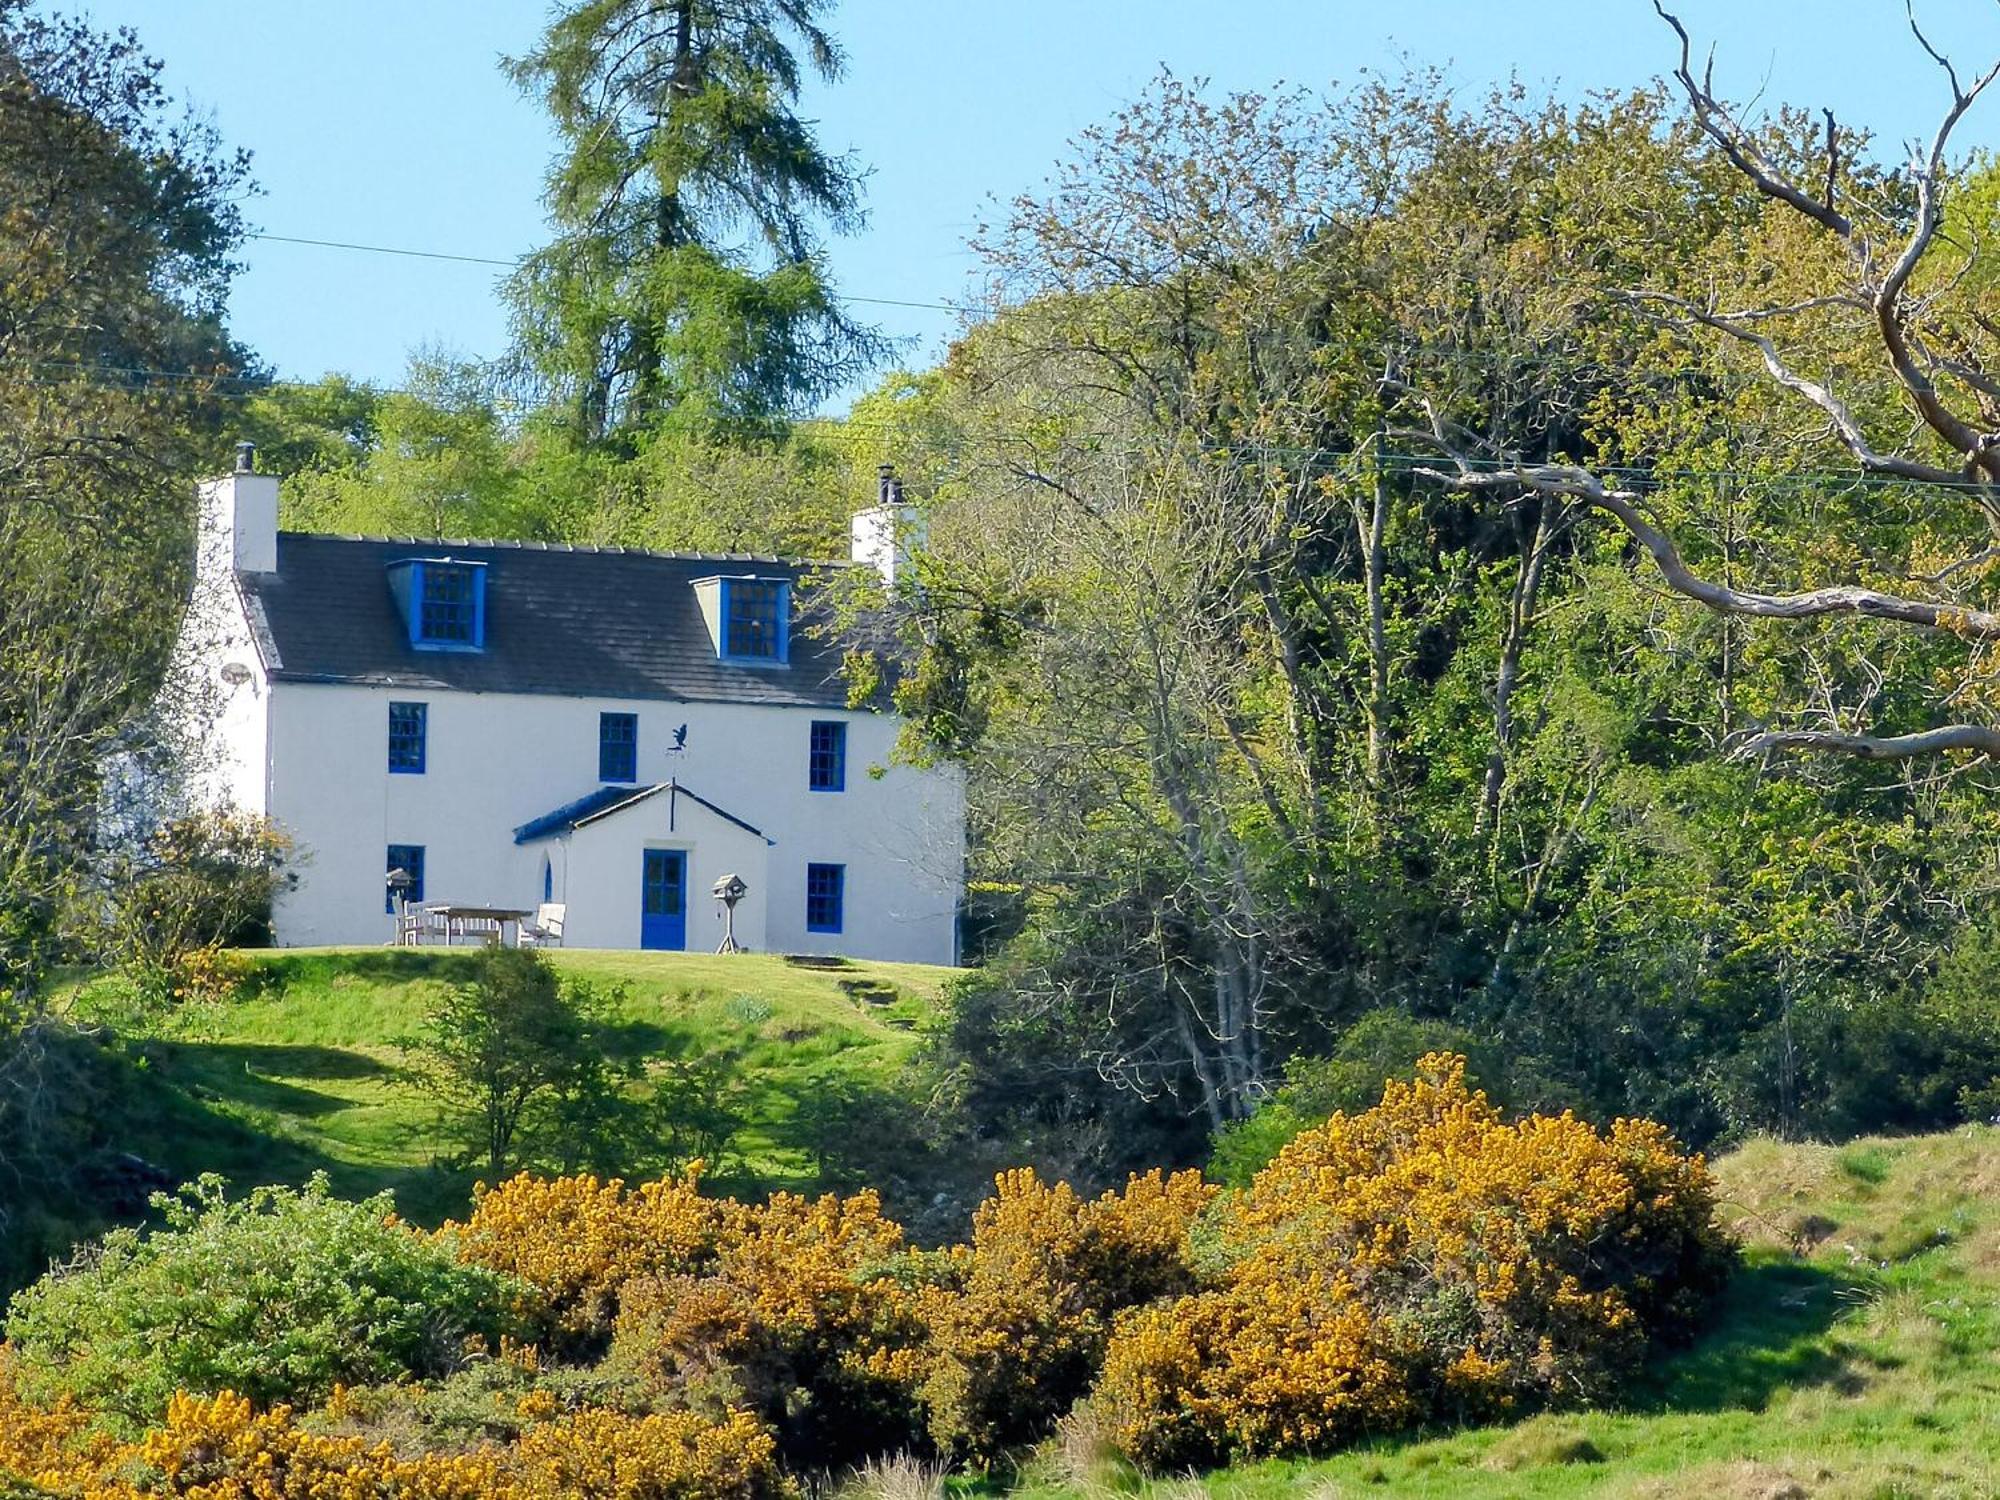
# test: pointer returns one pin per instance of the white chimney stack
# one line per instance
(888, 533)
(239, 519)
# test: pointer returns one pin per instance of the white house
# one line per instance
(514, 723)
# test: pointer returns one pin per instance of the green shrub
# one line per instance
(522, 1058)
(198, 885)
(278, 1296)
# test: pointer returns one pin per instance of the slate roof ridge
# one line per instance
(520, 545)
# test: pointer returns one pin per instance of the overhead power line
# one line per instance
(488, 260)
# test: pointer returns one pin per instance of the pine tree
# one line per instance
(686, 285)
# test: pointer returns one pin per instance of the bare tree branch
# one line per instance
(1844, 421)
(1722, 127)
(1567, 482)
(1981, 738)
(1885, 300)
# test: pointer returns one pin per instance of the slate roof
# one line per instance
(584, 622)
(607, 801)
(566, 817)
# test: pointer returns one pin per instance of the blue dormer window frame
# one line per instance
(756, 620)
(617, 747)
(826, 759)
(443, 601)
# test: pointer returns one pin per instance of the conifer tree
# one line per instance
(686, 284)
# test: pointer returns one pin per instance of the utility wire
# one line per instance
(487, 260)
(1315, 456)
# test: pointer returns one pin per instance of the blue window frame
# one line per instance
(409, 858)
(826, 891)
(826, 761)
(617, 747)
(755, 619)
(406, 737)
(443, 602)
(450, 605)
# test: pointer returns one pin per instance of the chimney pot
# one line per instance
(246, 458)
(886, 534)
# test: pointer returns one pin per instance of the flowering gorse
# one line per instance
(1423, 1258)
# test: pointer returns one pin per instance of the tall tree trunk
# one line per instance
(1374, 565)
(1520, 618)
(647, 362)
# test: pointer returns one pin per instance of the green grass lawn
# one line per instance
(304, 1071)
(1857, 1358)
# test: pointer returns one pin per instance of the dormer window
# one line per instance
(450, 606)
(753, 619)
(443, 601)
(748, 618)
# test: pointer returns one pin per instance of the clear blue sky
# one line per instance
(387, 122)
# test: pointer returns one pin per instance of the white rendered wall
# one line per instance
(227, 692)
(239, 773)
(495, 761)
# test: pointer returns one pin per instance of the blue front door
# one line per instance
(663, 907)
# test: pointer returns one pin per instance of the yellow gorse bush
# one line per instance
(1017, 1332)
(793, 1302)
(576, 1241)
(221, 1448)
(1281, 1368)
(1424, 1258)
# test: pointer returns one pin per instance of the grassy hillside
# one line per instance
(1858, 1358)
(304, 1072)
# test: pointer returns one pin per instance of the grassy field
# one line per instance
(1858, 1358)
(304, 1071)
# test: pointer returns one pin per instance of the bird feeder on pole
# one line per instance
(729, 890)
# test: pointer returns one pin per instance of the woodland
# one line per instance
(1496, 590)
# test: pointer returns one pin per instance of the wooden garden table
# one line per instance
(458, 922)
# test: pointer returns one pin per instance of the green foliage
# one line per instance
(120, 219)
(447, 456)
(119, 216)
(679, 129)
(307, 428)
(204, 882)
(432, 459)
(695, 1106)
(1271, 729)
(521, 1050)
(279, 1296)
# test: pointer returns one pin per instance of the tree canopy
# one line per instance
(686, 284)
